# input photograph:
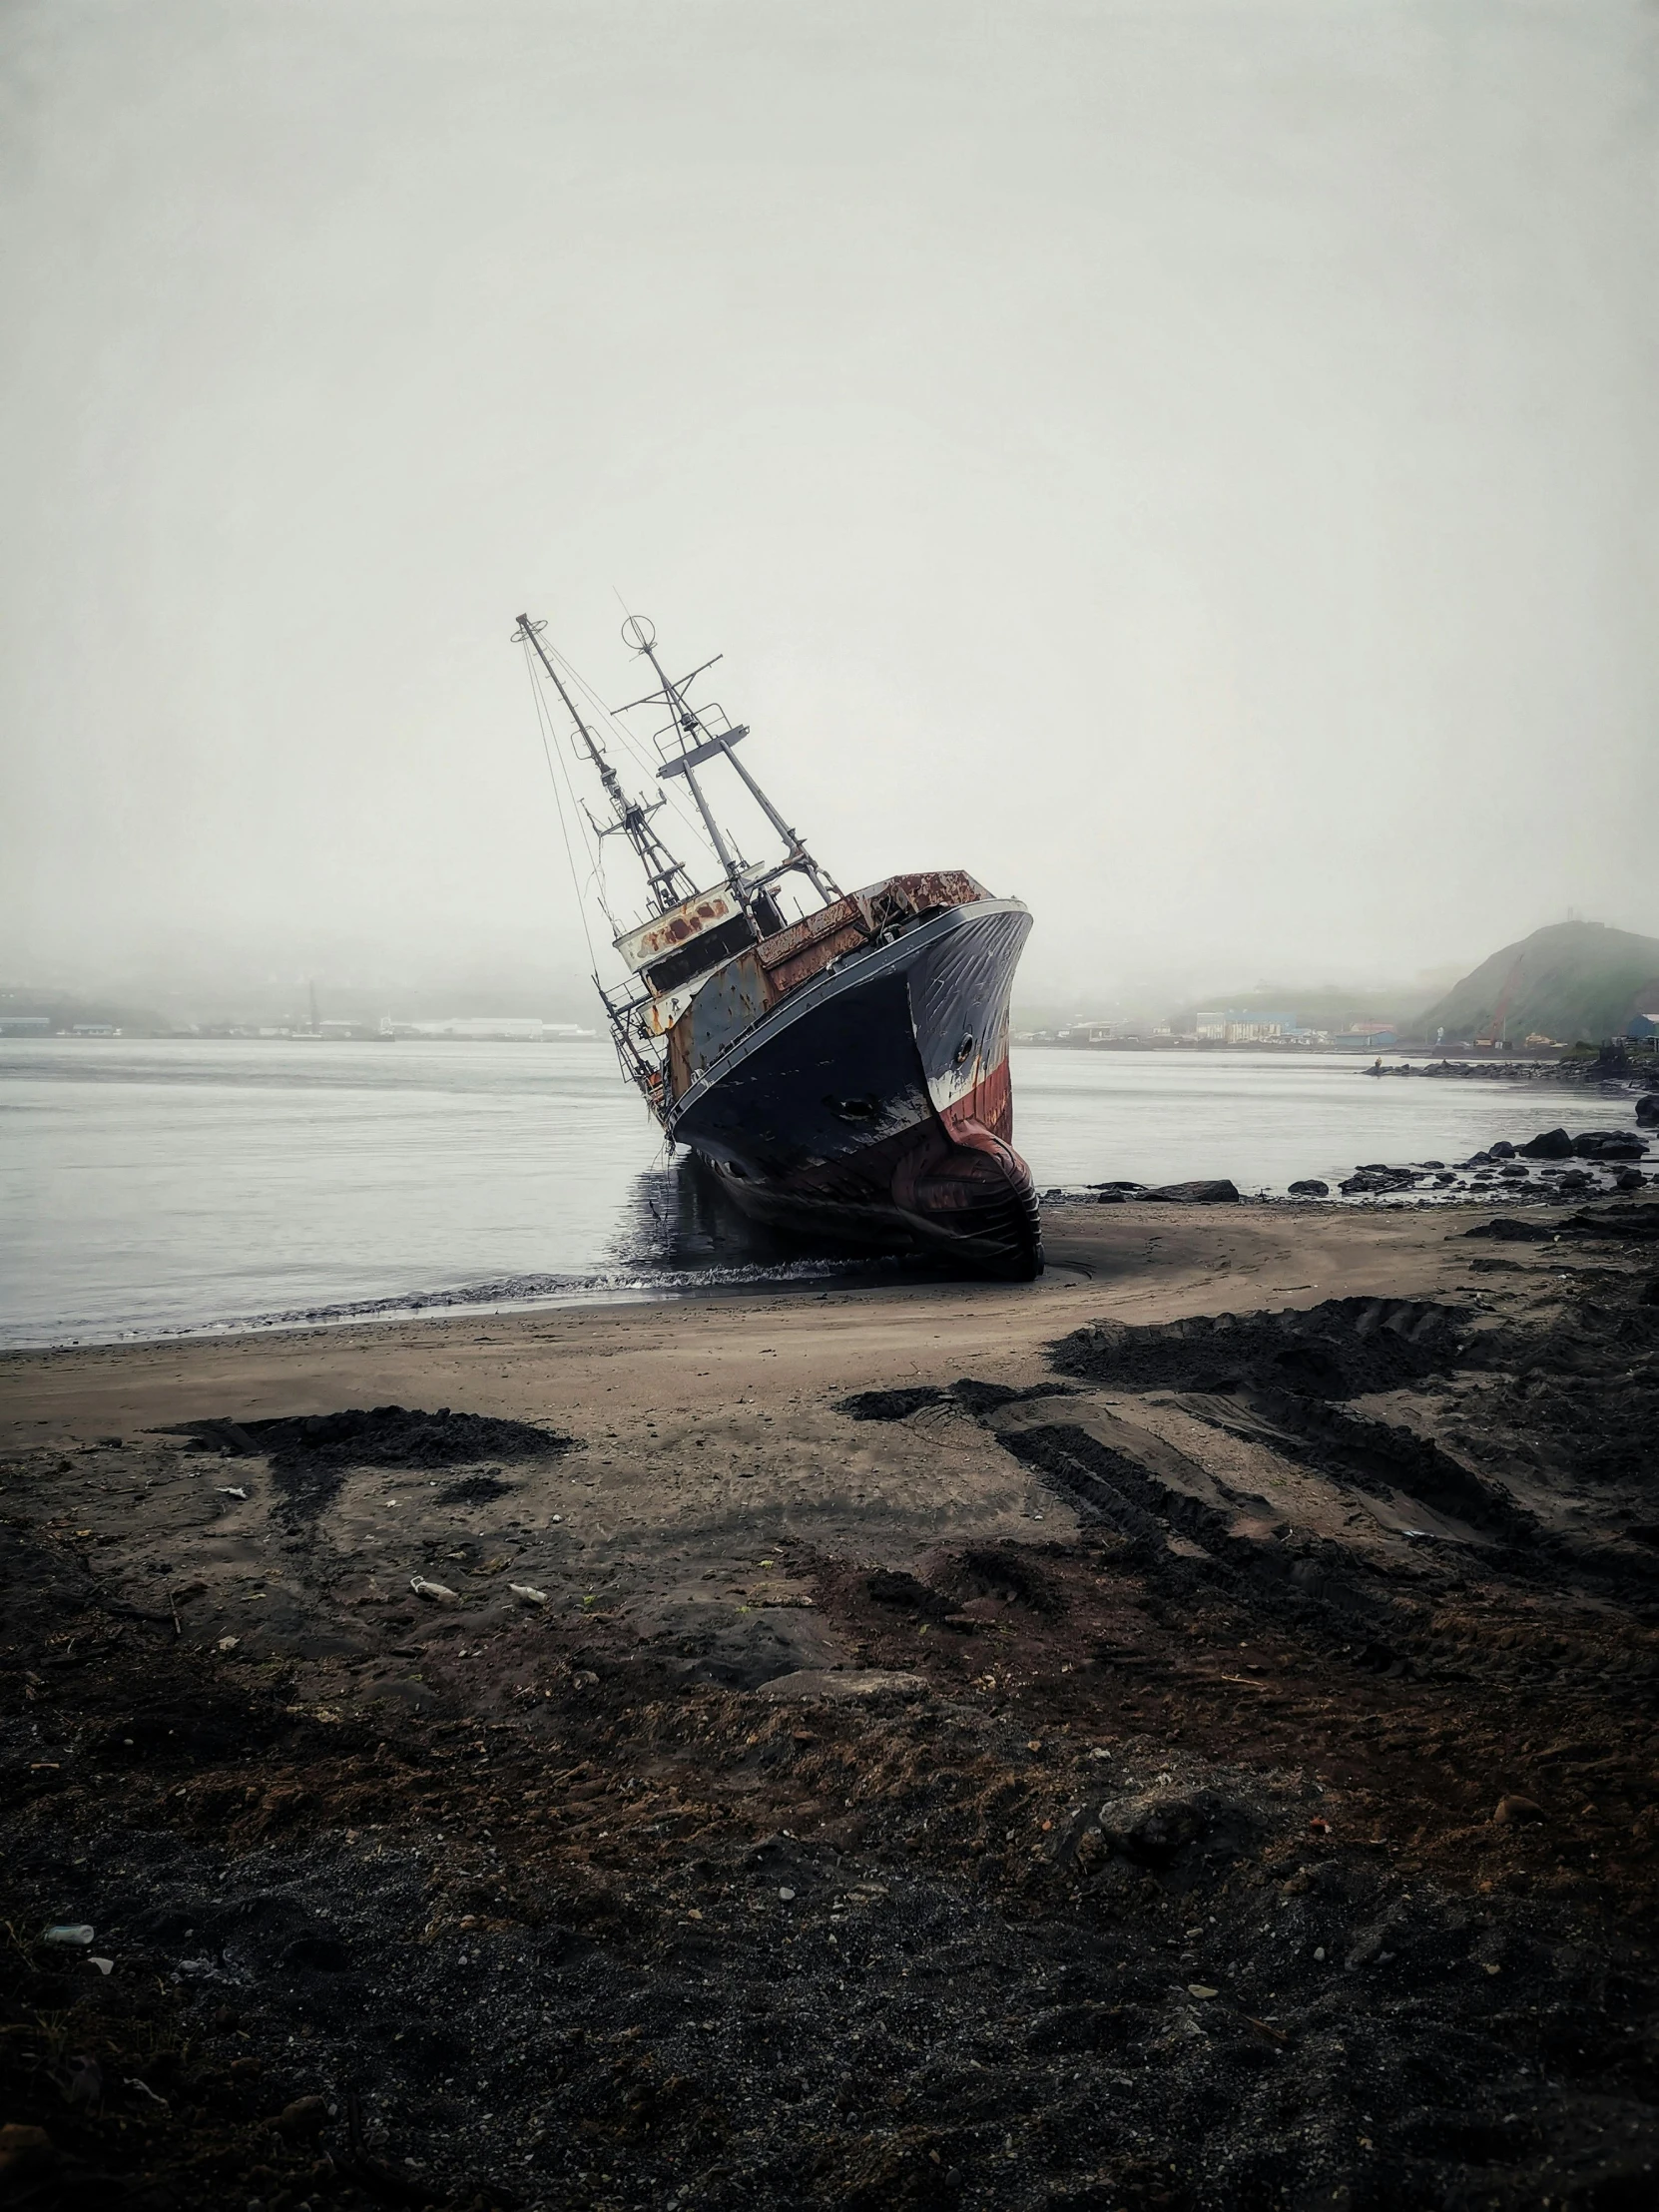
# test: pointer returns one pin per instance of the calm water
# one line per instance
(150, 1187)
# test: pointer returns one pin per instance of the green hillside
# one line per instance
(1576, 981)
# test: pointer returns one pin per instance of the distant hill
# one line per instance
(1575, 981)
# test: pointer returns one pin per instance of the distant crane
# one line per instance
(1501, 1009)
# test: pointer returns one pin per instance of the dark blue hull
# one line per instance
(872, 1104)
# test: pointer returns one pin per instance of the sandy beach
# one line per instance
(1179, 1734)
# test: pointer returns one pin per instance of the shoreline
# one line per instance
(781, 1278)
(1087, 1245)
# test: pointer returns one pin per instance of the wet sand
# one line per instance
(1165, 1677)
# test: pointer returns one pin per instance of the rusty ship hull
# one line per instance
(851, 1081)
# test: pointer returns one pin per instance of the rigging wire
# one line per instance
(543, 725)
(624, 739)
(592, 838)
(593, 841)
(558, 801)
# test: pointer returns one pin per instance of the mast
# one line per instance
(697, 745)
(667, 879)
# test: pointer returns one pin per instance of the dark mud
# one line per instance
(1339, 1349)
(644, 1946)
(1281, 1830)
(310, 1453)
(377, 1437)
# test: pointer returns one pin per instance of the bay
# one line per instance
(151, 1187)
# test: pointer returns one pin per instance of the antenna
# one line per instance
(700, 744)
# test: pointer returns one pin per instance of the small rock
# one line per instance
(1508, 1231)
(1158, 1826)
(830, 1683)
(1368, 1180)
(1549, 1144)
(303, 2119)
(1201, 1989)
(1310, 1186)
(25, 2152)
(86, 2083)
(1216, 1191)
(1609, 1144)
(1510, 1809)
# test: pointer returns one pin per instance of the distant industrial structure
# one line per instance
(1237, 1026)
(1234, 1027)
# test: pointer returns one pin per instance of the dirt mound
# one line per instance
(892, 1405)
(310, 1452)
(1615, 1224)
(1623, 1224)
(380, 1437)
(966, 1391)
(1344, 1348)
(1578, 1396)
(980, 1576)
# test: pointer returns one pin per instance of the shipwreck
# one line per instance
(842, 1068)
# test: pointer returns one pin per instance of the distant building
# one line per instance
(1234, 1027)
(1365, 1037)
(94, 1029)
(497, 1029)
(25, 1025)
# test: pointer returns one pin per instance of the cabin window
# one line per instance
(702, 953)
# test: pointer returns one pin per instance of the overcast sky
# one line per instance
(1191, 464)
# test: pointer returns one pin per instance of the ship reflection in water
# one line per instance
(678, 1229)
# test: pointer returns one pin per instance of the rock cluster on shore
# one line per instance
(1555, 1163)
(1503, 1163)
